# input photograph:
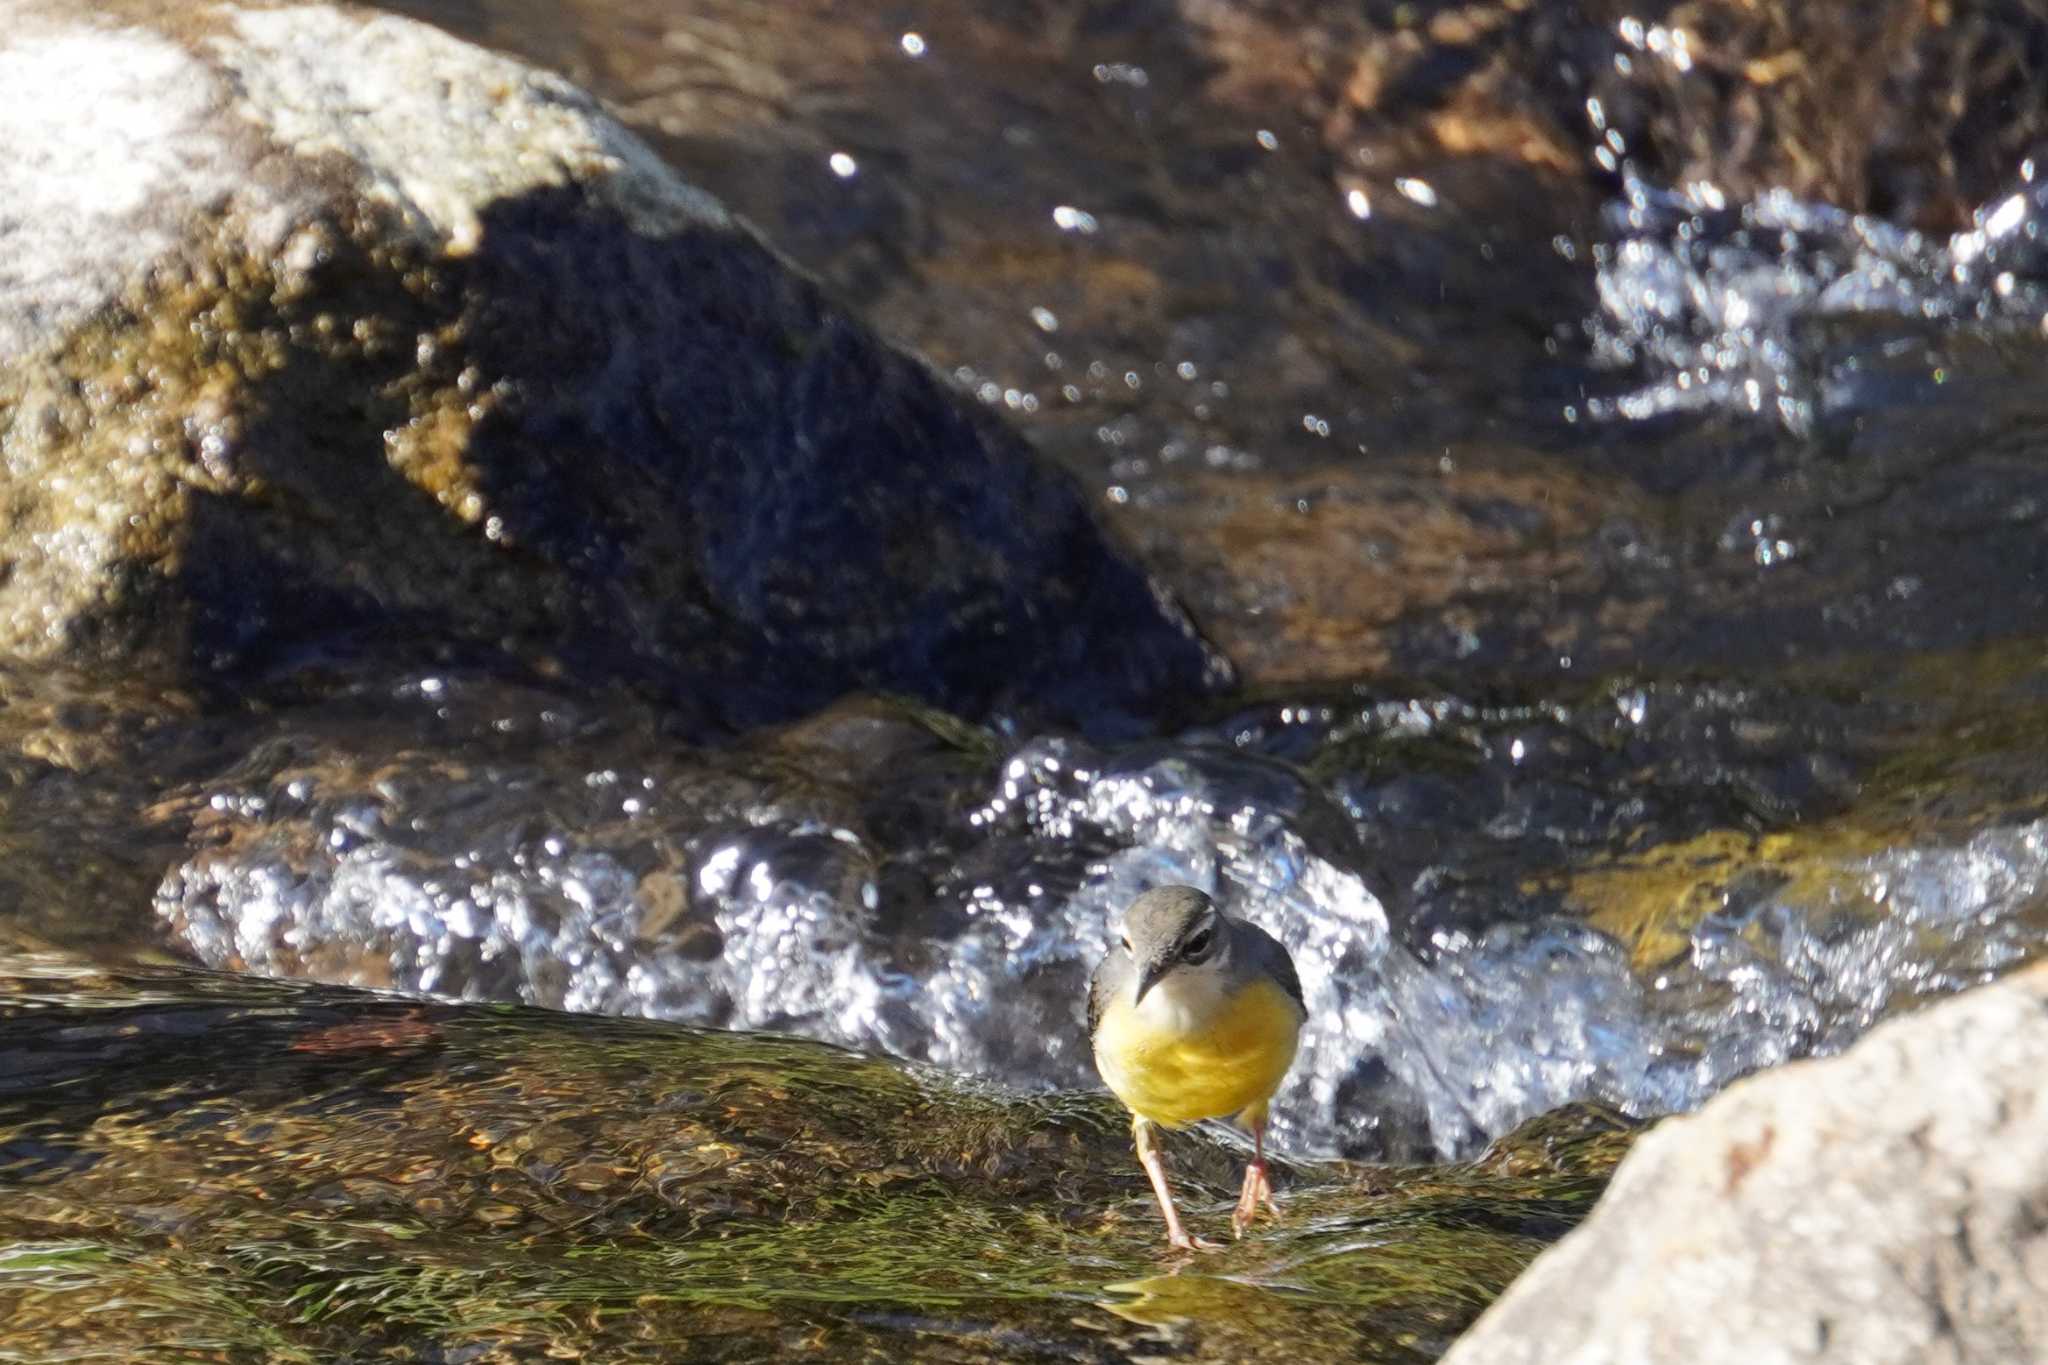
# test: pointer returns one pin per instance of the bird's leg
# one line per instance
(1148, 1156)
(1257, 1188)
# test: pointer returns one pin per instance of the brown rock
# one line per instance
(1305, 578)
(329, 333)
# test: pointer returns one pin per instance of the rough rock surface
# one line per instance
(323, 329)
(1889, 1204)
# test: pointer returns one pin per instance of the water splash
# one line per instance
(960, 928)
(1768, 978)
(1798, 311)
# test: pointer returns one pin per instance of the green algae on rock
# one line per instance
(262, 1170)
(387, 344)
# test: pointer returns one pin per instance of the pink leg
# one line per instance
(1148, 1156)
(1257, 1188)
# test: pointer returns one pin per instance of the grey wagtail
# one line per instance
(1195, 1015)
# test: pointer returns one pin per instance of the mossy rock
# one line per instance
(393, 346)
(263, 1170)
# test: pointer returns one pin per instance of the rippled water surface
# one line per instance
(1631, 896)
(1643, 625)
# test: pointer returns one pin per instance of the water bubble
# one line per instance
(1420, 191)
(2007, 216)
(1070, 219)
(1761, 538)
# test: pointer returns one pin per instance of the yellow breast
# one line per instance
(1174, 1070)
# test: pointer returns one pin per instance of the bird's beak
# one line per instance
(1149, 976)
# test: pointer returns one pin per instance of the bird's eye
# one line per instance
(1127, 944)
(1198, 946)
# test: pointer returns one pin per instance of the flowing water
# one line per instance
(1475, 895)
(1747, 762)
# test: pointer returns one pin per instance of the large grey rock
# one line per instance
(1889, 1204)
(322, 329)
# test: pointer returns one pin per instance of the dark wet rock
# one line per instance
(1909, 111)
(1314, 576)
(261, 1171)
(1885, 1205)
(333, 334)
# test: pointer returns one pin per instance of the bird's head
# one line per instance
(1171, 930)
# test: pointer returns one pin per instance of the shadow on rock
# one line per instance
(497, 384)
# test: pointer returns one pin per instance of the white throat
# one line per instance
(1184, 1001)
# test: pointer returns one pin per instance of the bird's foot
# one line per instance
(1258, 1189)
(1179, 1240)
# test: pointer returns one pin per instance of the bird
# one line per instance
(1195, 1015)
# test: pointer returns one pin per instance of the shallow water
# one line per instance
(1588, 898)
(208, 1168)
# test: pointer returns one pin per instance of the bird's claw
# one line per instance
(1258, 1189)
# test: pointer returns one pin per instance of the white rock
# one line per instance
(442, 126)
(109, 154)
(1889, 1204)
(119, 140)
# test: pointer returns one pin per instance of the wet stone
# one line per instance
(710, 1193)
(494, 384)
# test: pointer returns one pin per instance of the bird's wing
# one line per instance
(1272, 954)
(1101, 986)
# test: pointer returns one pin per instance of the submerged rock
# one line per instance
(240, 1170)
(1885, 1205)
(1326, 574)
(1896, 108)
(1223, 258)
(326, 331)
